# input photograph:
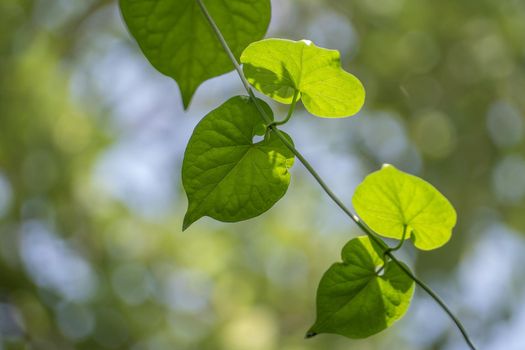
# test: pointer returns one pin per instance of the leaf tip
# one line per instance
(186, 101)
(310, 334)
(187, 92)
(188, 220)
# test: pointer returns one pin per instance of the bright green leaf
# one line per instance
(356, 301)
(228, 177)
(389, 200)
(278, 67)
(177, 40)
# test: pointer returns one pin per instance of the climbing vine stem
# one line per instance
(368, 231)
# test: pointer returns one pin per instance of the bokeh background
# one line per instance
(91, 141)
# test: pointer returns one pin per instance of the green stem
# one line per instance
(436, 298)
(393, 249)
(236, 65)
(373, 236)
(400, 244)
(291, 110)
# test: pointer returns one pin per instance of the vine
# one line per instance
(229, 178)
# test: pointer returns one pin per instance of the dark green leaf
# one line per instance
(356, 301)
(177, 40)
(228, 177)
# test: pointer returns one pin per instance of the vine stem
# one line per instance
(368, 231)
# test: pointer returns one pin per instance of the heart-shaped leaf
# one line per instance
(356, 301)
(228, 177)
(389, 200)
(278, 68)
(177, 40)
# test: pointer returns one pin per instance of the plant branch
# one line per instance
(369, 232)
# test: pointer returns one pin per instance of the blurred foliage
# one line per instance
(82, 266)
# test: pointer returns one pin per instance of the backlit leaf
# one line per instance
(177, 40)
(278, 67)
(228, 177)
(356, 301)
(389, 199)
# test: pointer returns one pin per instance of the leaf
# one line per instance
(178, 41)
(278, 67)
(228, 177)
(389, 199)
(356, 301)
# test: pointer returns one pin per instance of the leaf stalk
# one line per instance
(295, 99)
